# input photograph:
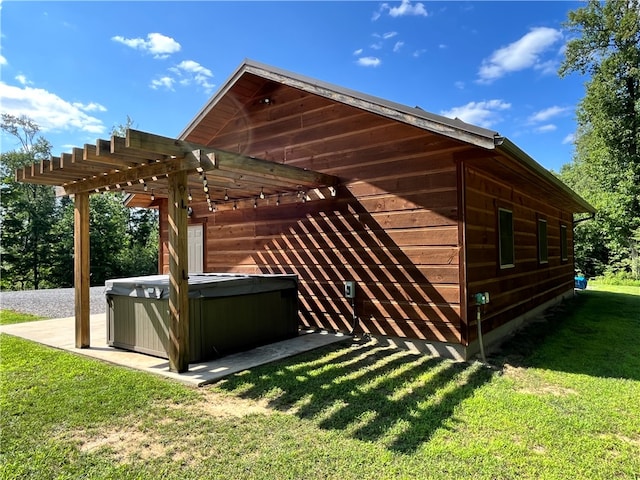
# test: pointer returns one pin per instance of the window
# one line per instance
(543, 245)
(564, 249)
(505, 239)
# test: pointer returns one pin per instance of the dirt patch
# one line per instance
(140, 442)
(533, 385)
(222, 406)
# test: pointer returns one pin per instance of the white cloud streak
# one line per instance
(520, 55)
(156, 44)
(484, 114)
(49, 111)
(369, 62)
(186, 73)
(548, 113)
(406, 8)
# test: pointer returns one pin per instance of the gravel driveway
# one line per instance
(54, 303)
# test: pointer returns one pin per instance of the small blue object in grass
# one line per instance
(580, 282)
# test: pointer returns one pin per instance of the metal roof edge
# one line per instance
(454, 128)
(512, 150)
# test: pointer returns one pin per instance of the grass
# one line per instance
(560, 401)
(8, 317)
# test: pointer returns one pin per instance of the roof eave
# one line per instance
(509, 148)
(453, 128)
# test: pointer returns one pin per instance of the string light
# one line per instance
(153, 197)
(255, 203)
(190, 197)
(278, 201)
(262, 193)
(235, 205)
(145, 186)
(226, 195)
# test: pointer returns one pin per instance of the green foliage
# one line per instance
(606, 169)
(559, 404)
(27, 211)
(37, 228)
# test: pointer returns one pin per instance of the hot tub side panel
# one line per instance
(217, 326)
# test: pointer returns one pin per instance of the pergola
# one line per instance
(148, 164)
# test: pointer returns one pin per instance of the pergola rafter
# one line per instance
(172, 168)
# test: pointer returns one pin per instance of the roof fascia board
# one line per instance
(452, 128)
(413, 116)
(509, 148)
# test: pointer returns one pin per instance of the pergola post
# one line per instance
(81, 268)
(178, 274)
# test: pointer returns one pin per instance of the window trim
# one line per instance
(504, 266)
(543, 248)
(564, 242)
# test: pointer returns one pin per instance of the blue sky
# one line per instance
(79, 68)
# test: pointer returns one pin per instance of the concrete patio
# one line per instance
(59, 333)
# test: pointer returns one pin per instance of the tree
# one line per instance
(606, 167)
(27, 211)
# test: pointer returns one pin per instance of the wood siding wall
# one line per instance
(393, 227)
(513, 291)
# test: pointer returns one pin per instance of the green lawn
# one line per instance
(562, 400)
(8, 317)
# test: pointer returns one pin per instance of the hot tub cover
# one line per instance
(202, 285)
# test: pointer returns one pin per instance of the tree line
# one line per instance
(36, 227)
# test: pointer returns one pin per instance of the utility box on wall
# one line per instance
(350, 289)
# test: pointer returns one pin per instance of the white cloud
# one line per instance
(162, 82)
(519, 55)
(483, 114)
(389, 35)
(90, 107)
(571, 138)
(22, 79)
(550, 127)
(459, 85)
(358, 51)
(192, 72)
(186, 73)
(547, 113)
(369, 61)
(48, 110)
(398, 46)
(376, 46)
(406, 8)
(156, 44)
(3, 61)
(418, 53)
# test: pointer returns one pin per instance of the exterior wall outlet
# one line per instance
(350, 289)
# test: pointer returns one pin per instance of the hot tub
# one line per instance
(227, 313)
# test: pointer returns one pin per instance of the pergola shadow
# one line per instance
(369, 392)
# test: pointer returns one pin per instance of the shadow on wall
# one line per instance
(326, 243)
(369, 392)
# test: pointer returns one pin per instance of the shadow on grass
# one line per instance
(595, 333)
(369, 392)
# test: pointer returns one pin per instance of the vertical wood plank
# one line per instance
(178, 274)
(81, 268)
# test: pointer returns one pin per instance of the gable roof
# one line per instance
(487, 139)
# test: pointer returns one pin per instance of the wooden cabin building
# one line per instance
(283, 174)
(429, 211)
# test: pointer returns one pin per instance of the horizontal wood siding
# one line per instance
(393, 227)
(513, 291)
